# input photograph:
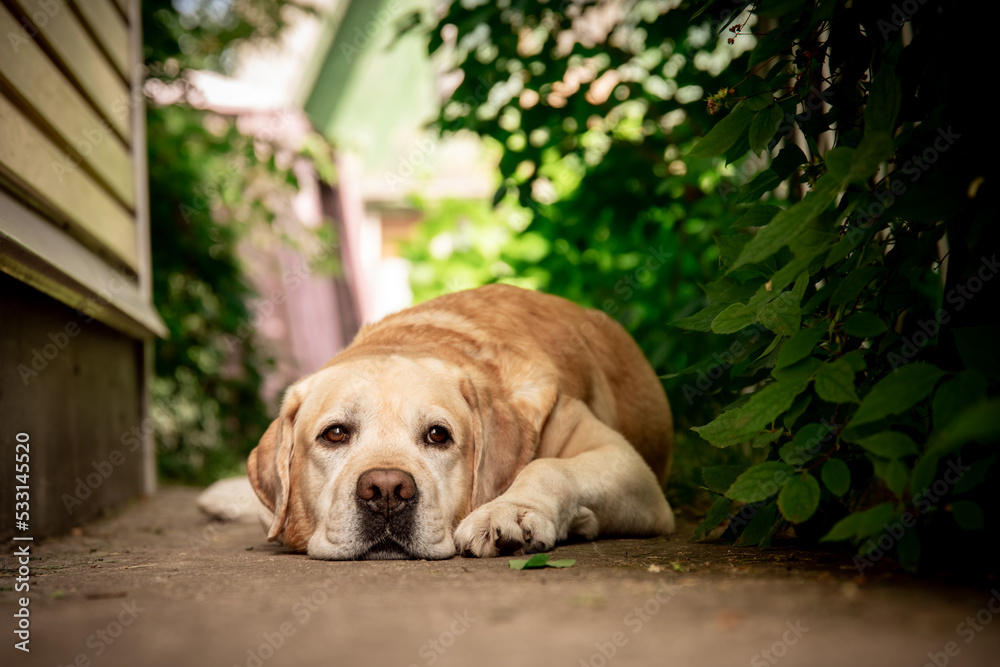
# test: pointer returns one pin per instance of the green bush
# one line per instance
(837, 367)
(211, 189)
(874, 408)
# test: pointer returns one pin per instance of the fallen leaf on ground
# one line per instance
(540, 561)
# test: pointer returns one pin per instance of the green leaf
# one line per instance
(539, 561)
(783, 316)
(838, 162)
(897, 474)
(889, 445)
(851, 286)
(726, 290)
(836, 476)
(799, 346)
(799, 498)
(763, 182)
(769, 46)
(845, 529)
(952, 396)
(730, 246)
(763, 127)
(800, 286)
(808, 442)
(977, 423)
(884, 100)
(784, 277)
(797, 410)
(760, 527)
(864, 325)
(874, 149)
(968, 515)
(802, 371)
(873, 520)
(757, 216)
(716, 513)
(724, 134)
(924, 472)
(856, 360)
(733, 319)
(757, 93)
(834, 382)
(898, 391)
(785, 162)
(720, 478)
(976, 474)
(760, 482)
(702, 320)
(789, 224)
(747, 421)
(765, 439)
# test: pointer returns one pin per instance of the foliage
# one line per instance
(874, 401)
(846, 300)
(211, 189)
(206, 395)
(204, 34)
(540, 561)
(461, 244)
(617, 220)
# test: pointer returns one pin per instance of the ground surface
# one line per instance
(158, 585)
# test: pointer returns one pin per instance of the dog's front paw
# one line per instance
(501, 528)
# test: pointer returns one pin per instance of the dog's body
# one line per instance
(481, 422)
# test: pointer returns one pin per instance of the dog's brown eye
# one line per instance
(335, 434)
(438, 435)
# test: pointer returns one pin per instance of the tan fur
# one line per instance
(549, 404)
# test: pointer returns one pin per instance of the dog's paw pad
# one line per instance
(501, 528)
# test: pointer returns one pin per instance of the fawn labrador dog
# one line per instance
(486, 422)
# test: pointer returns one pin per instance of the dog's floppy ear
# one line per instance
(508, 427)
(269, 465)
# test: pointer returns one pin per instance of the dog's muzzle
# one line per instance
(387, 500)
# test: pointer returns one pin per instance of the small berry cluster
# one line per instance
(717, 101)
(735, 29)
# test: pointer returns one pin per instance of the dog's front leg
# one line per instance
(596, 484)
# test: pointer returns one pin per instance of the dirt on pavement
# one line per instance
(160, 585)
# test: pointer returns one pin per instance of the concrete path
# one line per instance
(158, 585)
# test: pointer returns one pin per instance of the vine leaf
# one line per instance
(760, 482)
(725, 133)
(799, 498)
(884, 101)
(897, 392)
(747, 421)
(836, 476)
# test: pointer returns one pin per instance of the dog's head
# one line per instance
(381, 456)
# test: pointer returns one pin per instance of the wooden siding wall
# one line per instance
(82, 410)
(72, 155)
(76, 312)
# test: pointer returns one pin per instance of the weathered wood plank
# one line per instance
(38, 253)
(74, 386)
(30, 72)
(34, 164)
(140, 167)
(77, 54)
(109, 27)
(123, 7)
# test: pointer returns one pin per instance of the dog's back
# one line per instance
(595, 358)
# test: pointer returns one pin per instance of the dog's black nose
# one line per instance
(386, 490)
